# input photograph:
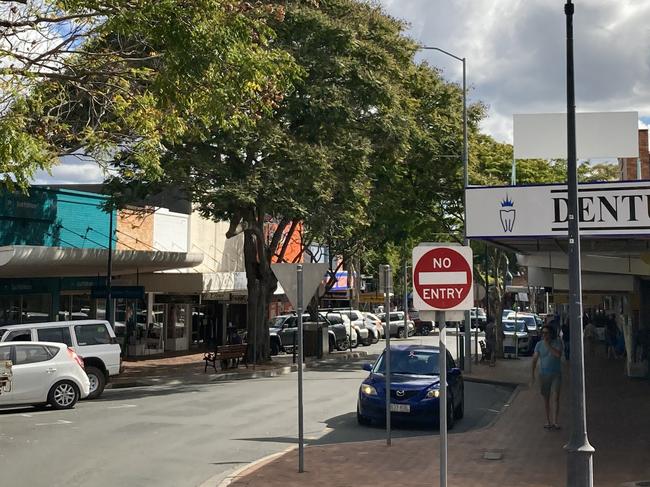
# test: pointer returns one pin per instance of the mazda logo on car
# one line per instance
(400, 393)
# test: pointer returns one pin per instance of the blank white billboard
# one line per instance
(598, 135)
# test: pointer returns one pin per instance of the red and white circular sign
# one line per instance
(442, 278)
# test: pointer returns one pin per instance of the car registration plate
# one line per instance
(400, 408)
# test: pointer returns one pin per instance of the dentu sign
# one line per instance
(442, 278)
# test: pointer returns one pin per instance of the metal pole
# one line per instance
(468, 330)
(406, 297)
(109, 275)
(442, 412)
(387, 354)
(467, 363)
(579, 451)
(301, 433)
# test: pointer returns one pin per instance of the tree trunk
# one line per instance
(261, 286)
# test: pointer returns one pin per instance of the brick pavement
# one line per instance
(619, 428)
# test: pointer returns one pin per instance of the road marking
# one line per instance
(60, 421)
(123, 406)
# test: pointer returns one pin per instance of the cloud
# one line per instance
(516, 53)
(72, 170)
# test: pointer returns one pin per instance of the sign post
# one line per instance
(300, 281)
(385, 285)
(442, 282)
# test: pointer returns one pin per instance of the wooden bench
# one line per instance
(225, 353)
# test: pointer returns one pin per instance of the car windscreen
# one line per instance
(277, 321)
(510, 326)
(530, 321)
(410, 362)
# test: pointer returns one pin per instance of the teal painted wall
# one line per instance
(54, 218)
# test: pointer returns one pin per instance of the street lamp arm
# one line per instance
(430, 48)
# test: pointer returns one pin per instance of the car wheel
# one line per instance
(97, 382)
(63, 395)
(459, 412)
(343, 345)
(375, 338)
(362, 420)
(425, 330)
(451, 417)
(275, 347)
(400, 333)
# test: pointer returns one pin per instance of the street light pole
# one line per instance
(580, 469)
(468, 328)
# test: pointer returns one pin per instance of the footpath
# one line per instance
(513, 451)
(189, 369)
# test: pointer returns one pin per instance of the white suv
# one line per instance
(94, 340)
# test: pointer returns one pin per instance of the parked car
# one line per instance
(422, 328)
(43, 373)
(374, 323)
(396, 322)
(343, 322)
(366, 335)
(533, 325)
(94, 340)
(414, 387)
(283, 328)
(515, 338)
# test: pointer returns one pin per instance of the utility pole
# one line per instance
(580, 469)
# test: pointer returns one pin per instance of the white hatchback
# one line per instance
(94, 340)
(41, 373)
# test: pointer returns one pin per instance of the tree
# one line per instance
(315, 158)
(116, 78)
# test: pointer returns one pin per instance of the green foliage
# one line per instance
(127, 78)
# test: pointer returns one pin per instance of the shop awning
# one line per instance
(35, 261)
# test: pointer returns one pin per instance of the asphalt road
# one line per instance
(183, 436)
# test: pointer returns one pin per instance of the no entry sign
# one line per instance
(442, 278)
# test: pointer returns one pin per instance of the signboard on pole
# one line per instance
(312, 276)
(442, 278)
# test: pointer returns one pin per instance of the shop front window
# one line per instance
(127, 327)
(9, 310)
(36, 308)
(176, 321)
(75, 307)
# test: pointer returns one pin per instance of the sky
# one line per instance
(515, 54)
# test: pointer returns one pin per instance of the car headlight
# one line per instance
(433, 393)
(368, 390)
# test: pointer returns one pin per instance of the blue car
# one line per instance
(414, 388)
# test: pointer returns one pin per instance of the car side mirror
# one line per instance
(454, 371)
(367, 367)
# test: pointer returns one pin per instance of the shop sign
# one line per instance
(26, 286)
(38, 205)
(118, 292)
(604, 209)
(81, 283)
(371, 298)
(177, 299)
(215, 297)
(239, 298)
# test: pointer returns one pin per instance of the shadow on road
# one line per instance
(483, 403)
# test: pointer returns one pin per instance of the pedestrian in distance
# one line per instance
(611, 337)
(548, 352)
(491, 340)
(590, 339)
(566, 338)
